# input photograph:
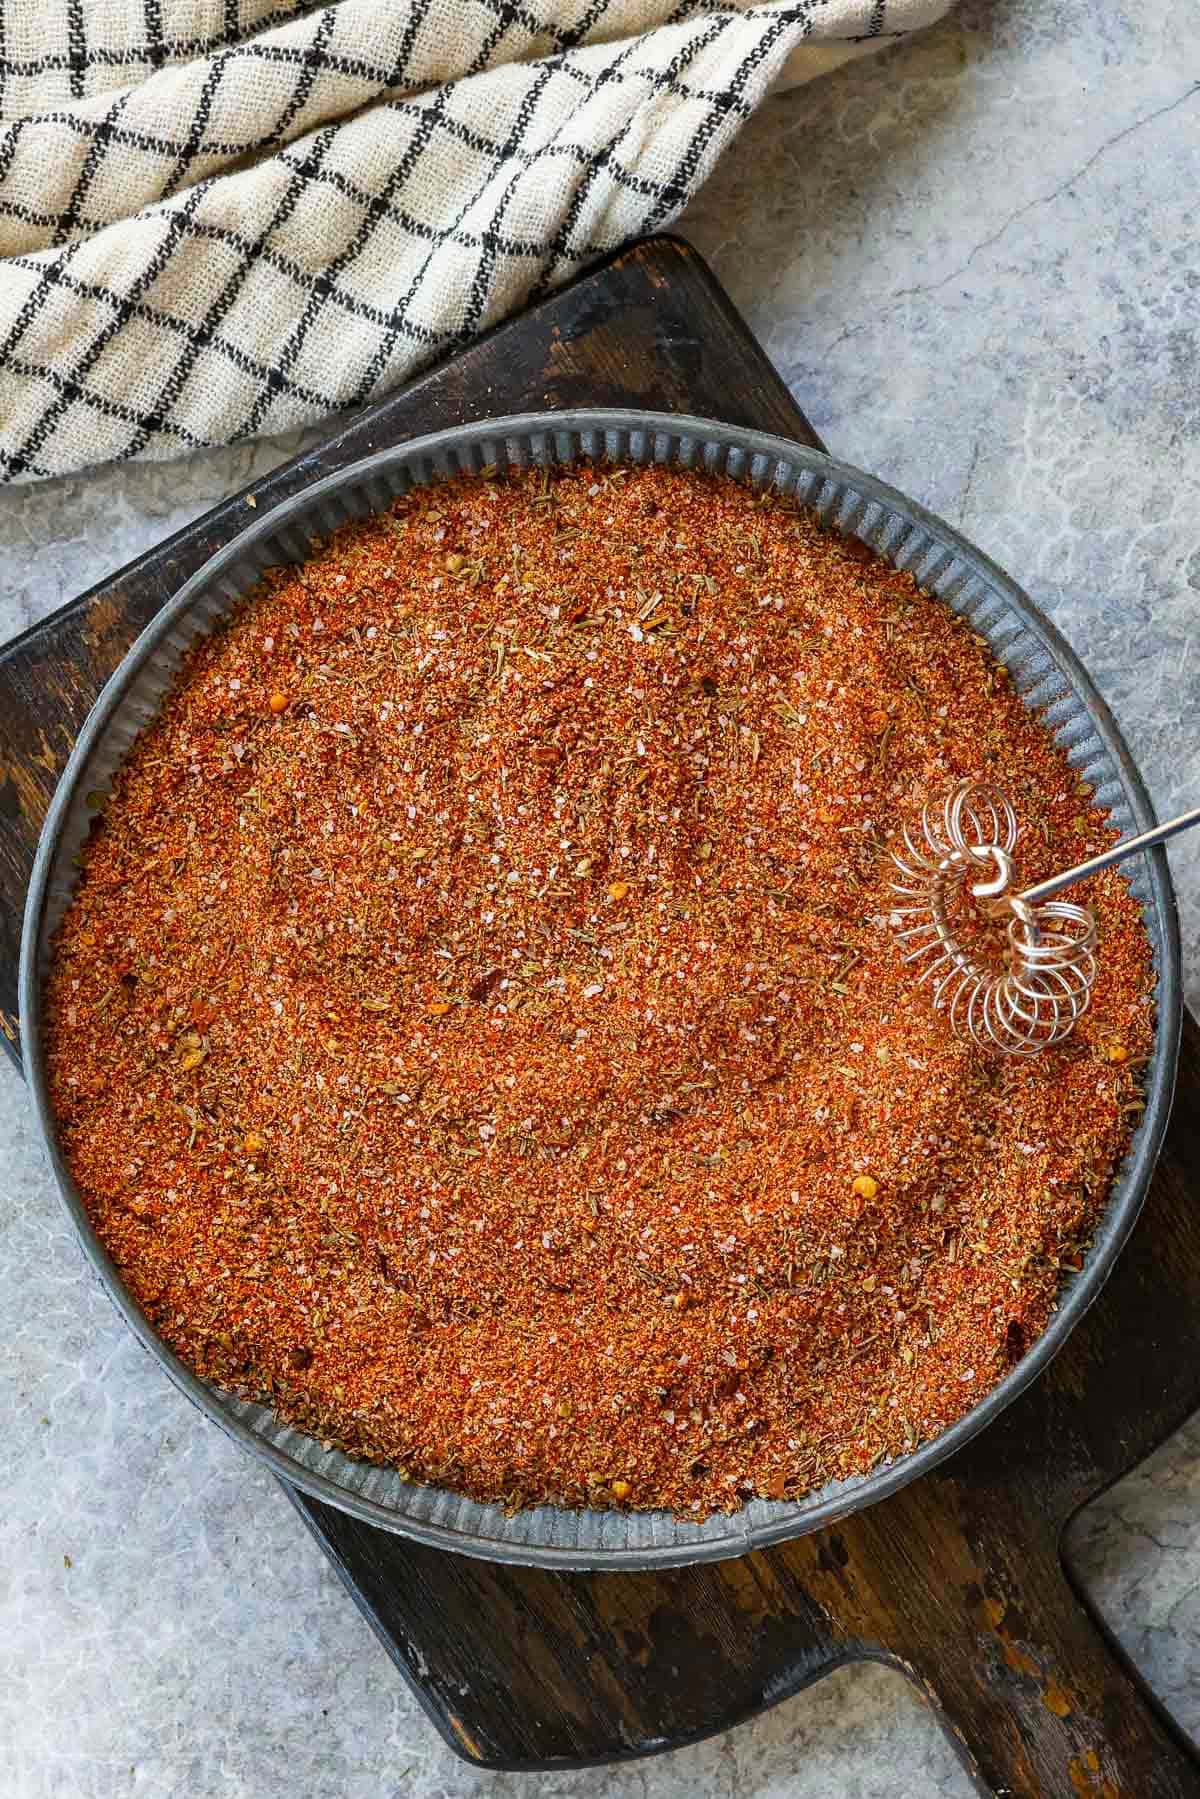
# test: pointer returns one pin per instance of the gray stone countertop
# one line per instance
(975, 260)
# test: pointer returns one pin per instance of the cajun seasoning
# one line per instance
(478, 1034)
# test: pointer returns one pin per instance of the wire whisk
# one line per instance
(1033, 990)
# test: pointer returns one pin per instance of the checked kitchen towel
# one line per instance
(220, 218)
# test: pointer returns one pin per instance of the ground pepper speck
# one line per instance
(477, 1031)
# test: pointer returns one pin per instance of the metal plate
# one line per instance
(1044, 670)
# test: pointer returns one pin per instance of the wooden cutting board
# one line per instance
(957, 1580)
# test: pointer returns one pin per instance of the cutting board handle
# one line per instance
(1039, 1700)
(1088, 1715)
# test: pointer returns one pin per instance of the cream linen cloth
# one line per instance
(220, 218)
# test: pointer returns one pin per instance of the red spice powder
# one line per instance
(477, 1031)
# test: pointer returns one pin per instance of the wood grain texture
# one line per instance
(957, 1580)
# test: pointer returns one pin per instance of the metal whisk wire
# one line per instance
(1044, 986)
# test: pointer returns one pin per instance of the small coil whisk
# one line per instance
(1038, 991)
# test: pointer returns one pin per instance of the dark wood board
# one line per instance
(958, 1579)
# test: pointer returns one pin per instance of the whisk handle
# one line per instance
(1130, 847)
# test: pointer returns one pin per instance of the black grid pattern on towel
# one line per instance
(474, 237)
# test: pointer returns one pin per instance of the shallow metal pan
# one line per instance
(1050, 679)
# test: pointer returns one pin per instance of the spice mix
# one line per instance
(477, 1031)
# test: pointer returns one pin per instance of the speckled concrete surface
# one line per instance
(975, 260)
